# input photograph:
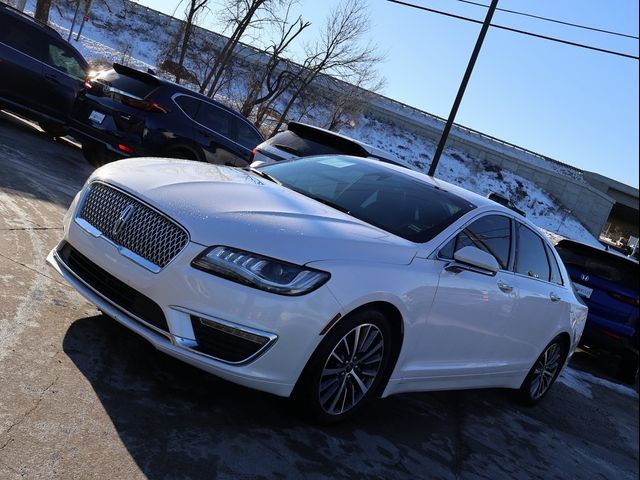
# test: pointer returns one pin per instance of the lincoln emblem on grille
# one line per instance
(122, 219)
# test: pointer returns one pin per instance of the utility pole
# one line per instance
(463, 86)
(73, 22)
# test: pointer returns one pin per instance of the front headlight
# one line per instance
(260, 272)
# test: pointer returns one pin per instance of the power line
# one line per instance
(515, 30)
(553, 20)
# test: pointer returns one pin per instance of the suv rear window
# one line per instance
(605, 265)
(305, 146)
(131, 86)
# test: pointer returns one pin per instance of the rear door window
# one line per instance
(63, 58)
(216, 119)
(556, 277)
(531, 257)
(491, 233)
(189, 105)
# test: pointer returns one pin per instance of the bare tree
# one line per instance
(239, 16)
(348, 99)
(42, 10)
(193, 9)
(338, 52)
(268, 82)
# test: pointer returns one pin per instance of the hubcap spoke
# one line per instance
(545, 371)
(351, 369)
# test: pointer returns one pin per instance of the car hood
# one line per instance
(226, 206)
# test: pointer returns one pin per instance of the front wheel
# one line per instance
(346, 370)
(544, 372)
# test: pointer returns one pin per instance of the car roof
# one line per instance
(20, 15)
(370, 150)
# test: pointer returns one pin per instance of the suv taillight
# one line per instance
(146, 105)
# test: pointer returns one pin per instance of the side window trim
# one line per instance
(514, 246)
(454, 236)
(233, 114)
(552, 257)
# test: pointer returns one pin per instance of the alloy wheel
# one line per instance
(351, 369)
(545, 371)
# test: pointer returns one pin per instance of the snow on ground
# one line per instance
(581, 382)
(115, 34)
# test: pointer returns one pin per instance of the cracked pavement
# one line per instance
(82, 397)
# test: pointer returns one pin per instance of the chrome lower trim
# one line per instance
(125, 252)
(272, 337)
(114, 305)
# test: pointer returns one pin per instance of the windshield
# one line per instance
(373, 193)
(592, 261)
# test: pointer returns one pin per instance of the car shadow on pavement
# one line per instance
(179, 422)
(33, 163)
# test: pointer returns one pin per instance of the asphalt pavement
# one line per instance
(82, 397)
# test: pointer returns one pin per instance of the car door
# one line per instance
(216, 131)
(63, 73)
(469, 330)
(22, 52)
(543, 301)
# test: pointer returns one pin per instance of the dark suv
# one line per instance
(608, 283)
(123, 112)
(303, 140)
(40, 73)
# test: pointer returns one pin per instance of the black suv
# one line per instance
(40, 73)
(123, 112)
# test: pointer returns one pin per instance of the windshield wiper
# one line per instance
(262, 174)
(328, 203)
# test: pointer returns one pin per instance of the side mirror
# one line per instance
(475, 257)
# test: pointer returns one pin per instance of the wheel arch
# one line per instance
(396, 323)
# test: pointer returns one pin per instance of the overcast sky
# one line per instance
(577, 106)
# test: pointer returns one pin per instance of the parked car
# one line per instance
(496, 197)
(333, 279)
(41, 73)
(302, 140)
(608, 283)
(123, 112)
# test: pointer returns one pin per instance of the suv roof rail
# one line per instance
(28, 17)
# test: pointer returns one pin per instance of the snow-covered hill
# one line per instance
(128, 33)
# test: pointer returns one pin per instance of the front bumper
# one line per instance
(293, 323)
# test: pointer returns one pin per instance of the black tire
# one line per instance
(355, 377)
(183, 153)
(547, 366)
(53, 130)
(628, 368)
(96, 155)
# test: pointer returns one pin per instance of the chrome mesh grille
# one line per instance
(146, 232)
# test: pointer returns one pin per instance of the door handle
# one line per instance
(554, 297)
(51, 78)
(505, 287)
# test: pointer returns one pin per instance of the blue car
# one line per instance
(608, 283)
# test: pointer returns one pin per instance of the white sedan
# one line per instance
(333, 279)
